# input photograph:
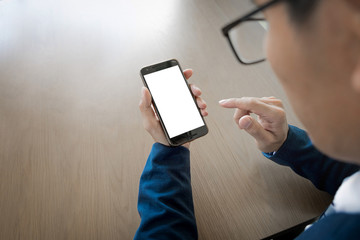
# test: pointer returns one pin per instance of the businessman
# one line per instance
(313, 47)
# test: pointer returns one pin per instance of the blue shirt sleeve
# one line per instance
(165, 202)
(336, 226)
(299, 154)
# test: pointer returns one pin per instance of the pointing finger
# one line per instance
(248, 104)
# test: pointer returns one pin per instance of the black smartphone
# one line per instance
(174, 102)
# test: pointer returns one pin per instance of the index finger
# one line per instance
(248, 104)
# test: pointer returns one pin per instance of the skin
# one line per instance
(150, 121)
(318, 65)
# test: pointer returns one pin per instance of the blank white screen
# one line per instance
(173, 99)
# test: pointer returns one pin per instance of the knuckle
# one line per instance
(278, 102)
(243, 99)
(281, 103)
(281, 113)
(251, 100)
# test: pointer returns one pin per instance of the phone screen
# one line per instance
(174, 101)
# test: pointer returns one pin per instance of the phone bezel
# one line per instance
(187, 136)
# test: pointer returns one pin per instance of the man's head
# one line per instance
(314, 48)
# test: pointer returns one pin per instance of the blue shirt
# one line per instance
(165, 200)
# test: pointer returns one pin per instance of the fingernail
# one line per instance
(223, 101)
(247, 123)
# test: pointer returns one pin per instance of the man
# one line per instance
(319, 40)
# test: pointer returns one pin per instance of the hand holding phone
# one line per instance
(161, 131)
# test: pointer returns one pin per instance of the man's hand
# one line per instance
(151, 122)
(270, 129)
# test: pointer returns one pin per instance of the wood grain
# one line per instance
(72, 145)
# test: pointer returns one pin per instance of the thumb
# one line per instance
(145, 104)
(254, 128)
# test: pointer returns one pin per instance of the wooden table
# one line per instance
(72, 145)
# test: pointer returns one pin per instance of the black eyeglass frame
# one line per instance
(248, 17)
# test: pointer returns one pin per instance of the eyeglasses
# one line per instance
(246, 35)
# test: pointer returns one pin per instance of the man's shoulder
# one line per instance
(335, 226)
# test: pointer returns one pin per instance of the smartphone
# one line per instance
(174, 102)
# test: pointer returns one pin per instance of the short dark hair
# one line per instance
(301, 10)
